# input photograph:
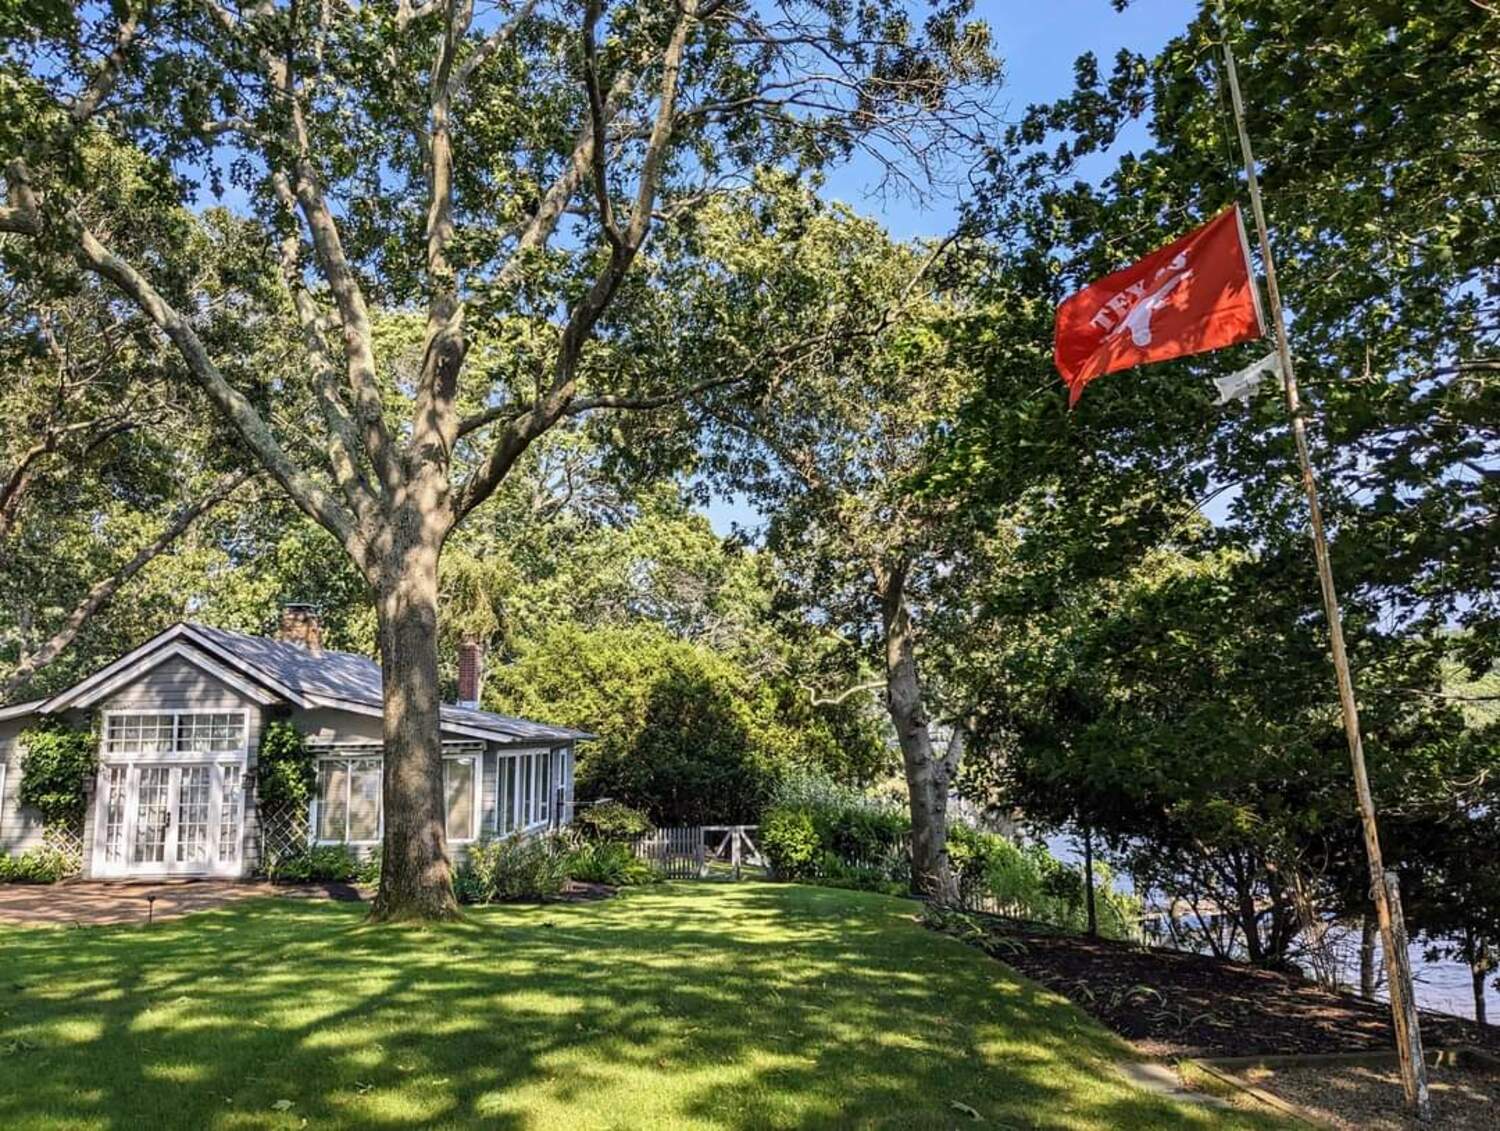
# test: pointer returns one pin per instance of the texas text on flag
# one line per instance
(1193, 295)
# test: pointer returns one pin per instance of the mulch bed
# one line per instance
(576, 891)
(1363, 1098)
(1172, 1003)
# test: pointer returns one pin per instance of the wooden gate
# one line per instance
(702, 852)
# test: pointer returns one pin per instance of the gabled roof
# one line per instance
(277, 669)
(16, 710)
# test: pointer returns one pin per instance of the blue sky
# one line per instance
(1038, 42)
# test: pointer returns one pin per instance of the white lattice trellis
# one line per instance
(66, 840)
(284, 832)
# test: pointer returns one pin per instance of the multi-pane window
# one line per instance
(349, 799)
(153, 814)
(505, 796)
(165, 733)
(364, 800)
(139, 734)
(114, 813)
(211, 733)
(525, 792)
(231, 785)
(194, 798)
(349, 803)
(545, 788)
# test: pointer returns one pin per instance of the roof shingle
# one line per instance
(357, 679)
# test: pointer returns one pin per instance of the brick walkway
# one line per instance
(93, 903)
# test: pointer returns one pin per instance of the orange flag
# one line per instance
(1193, 295)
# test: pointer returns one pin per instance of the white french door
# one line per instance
(179, 818)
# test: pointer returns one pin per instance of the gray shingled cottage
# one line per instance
(179, 720)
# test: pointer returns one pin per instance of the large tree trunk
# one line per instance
(415, 878)
(927, 776)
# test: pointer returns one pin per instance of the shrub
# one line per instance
(57, 764)
(608, 862)
(286, 770)
(820, 830)
(611, 820)
(321, 863)
(367, 870)
(45, 865)
(1030, 883)
(992, 866)
(790, 843)
(516, 868)
(687, 734)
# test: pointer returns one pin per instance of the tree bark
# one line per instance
(1367, 937)
(416, 880)
(1244, 896)
(1481, 1012)
(1481, 965)
(1088, 880)
(927, 776)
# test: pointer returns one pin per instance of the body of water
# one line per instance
(1443, 985)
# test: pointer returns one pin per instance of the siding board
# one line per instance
(20, 826)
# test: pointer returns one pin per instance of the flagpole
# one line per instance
(1387, 899)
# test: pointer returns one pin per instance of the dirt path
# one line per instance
(94, 903)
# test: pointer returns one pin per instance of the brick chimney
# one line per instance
(470, 672)
(301, 625)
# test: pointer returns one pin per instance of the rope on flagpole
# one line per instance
(1382, 886)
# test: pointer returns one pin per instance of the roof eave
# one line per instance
(161, 647)
(18, 710)
(447, 726)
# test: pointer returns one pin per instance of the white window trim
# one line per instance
(348, 755)
(351, 752)
(240, 752)
(3, 767)
(476, 817)
(553, 758)
(216, 864)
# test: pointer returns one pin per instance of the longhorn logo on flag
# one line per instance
(1193, 295)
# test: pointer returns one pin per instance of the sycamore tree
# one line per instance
(505, 172)
(105, 466)
(830, 446)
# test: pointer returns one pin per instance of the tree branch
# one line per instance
(109, 71)
(103, 591)
(360, 369)
(817, 700)
(342, 447)
(487, 48)
(517, 436)
(598, 149)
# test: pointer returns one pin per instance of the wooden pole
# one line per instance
(1398, 970)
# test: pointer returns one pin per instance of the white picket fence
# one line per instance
(702, 852)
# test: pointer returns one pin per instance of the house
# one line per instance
(179, 720)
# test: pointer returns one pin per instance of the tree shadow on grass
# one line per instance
(737, 1006)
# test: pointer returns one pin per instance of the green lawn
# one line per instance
(681, 1006)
